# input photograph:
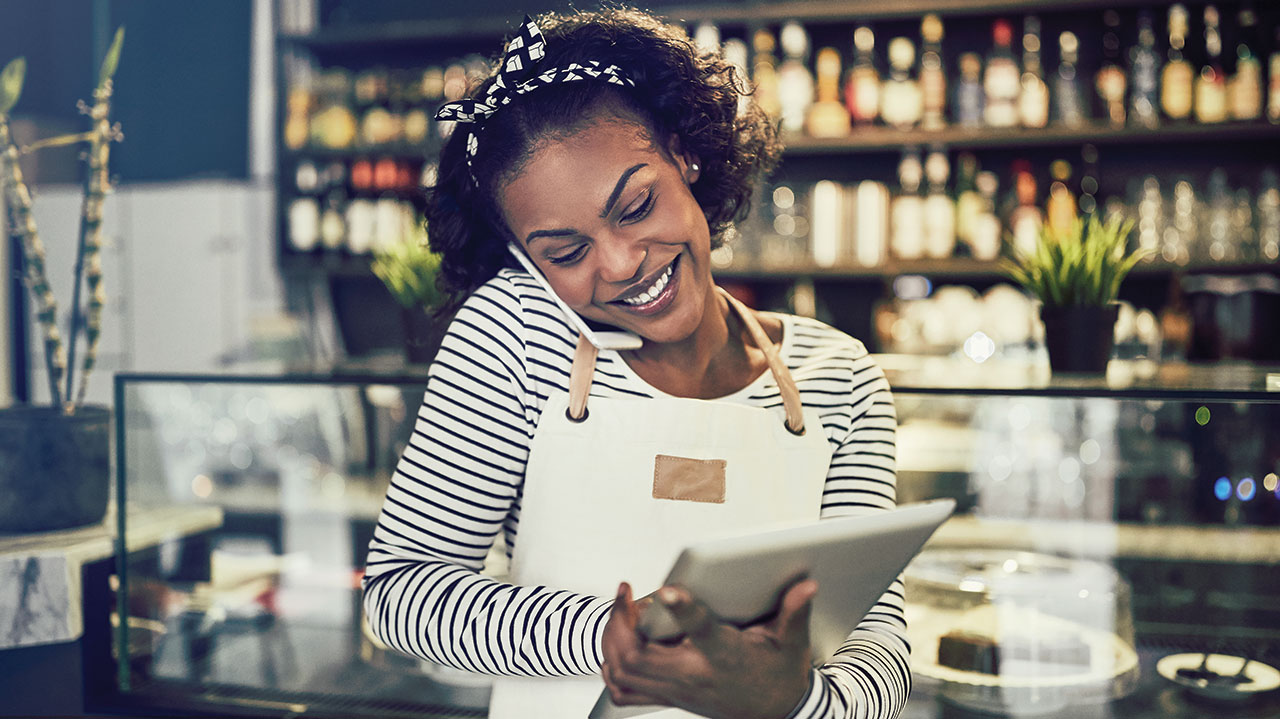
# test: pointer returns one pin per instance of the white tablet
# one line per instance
(742, 579)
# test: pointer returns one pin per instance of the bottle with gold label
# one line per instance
(1033, 101)
(764, 73)
(862, 85)
(1211, 83)
(1144, 97)
(1061, 210)
(933, 78)
(1000, 81)
(1177, 76)
(1273, 82)
(828, 116)
(906, 220)
(902, 103)
(1244, 90)
(795, 84)
(1111, 80)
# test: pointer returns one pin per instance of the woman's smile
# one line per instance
(650, 298)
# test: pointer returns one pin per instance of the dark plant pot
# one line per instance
(1079, 339)
(422, 334)
(54, 469)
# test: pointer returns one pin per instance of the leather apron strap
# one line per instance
(584, 364)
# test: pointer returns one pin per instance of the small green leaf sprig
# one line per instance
(1081, 267)
(409, 270)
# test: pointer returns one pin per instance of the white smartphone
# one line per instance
(605, 339)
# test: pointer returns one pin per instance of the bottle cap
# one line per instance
(1002, 32)
(902, 53)
(931, 28)
(795, 42)
(864, 40)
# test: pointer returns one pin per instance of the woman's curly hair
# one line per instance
(678, 92)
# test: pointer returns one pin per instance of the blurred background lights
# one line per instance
(1202, 416)
(979, 347)
(1271, 482)
(202, 486)
(1090, 451)
(1222, 488)
(912, 287)
(1246, 489)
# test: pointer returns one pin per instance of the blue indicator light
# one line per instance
(1246, 489)
(1222, 489)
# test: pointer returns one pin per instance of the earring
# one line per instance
(693, 167)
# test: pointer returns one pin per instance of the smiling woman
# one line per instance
(611, 155)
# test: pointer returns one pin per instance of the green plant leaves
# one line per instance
(409, 269)
(112, 59)
(1082, 266)
(11, 79)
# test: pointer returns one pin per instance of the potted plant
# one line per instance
(409, 270)
(54, 460)
(1076, 275)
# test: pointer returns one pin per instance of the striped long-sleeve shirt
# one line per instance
(457, 486)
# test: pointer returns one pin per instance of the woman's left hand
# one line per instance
(717, 670)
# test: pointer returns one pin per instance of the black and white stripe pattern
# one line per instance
(458, 485)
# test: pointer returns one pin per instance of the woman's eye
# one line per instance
(641, 211)
(569, 257)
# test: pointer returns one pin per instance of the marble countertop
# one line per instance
(40, 593)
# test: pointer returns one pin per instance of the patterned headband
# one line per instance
(519, 74)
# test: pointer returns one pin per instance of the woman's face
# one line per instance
(609, 219)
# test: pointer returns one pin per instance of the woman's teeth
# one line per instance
(652, 293)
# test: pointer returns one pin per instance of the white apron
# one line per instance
(589, 518)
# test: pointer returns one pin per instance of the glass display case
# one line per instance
(1115, 552)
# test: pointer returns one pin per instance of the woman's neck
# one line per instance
(717, 359)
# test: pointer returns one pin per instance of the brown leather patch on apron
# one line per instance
(690, 480)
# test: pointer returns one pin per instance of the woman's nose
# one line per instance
(620, 260)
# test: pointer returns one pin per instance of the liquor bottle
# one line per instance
(1269, 217)
(1217, 244)
(333, 225)
(828, 116)
(1151, 217)
(304, 223)
(871, 229)
(984, 239)
(795, 84)
(1211, 83)
(968, 200)
(1000, 79)
(1110, 80)
(1244, 91)
(1061, 210)
(969, 96)
(1273, 82)
(706, 37)
(827, 231)
(1026, 219)
(906, 237)
(1033, 102)
(902, 103)
(1068, 95)
(939, 210)
(933, 78)
(765, 74)
(1088, 202)
(862, 86)
(1144, 64)
(1176, 77)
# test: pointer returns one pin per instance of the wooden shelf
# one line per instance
(887, 139)
(748, 13)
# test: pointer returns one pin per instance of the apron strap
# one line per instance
(584, 368)
(584, 365)
(786, 385)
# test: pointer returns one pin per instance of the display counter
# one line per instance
(1141, 507)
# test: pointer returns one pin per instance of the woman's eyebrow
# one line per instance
(622, 183)
(566, 232)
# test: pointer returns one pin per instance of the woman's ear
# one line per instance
(687, 162)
